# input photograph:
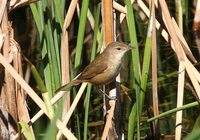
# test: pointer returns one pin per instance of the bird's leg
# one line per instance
(110, 98)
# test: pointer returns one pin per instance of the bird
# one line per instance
(103, 69)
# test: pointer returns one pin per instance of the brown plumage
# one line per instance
(104, 69)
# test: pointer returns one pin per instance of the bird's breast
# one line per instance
(107, 76)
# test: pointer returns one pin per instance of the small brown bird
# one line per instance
(104, 69)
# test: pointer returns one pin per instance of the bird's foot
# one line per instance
(109, 97)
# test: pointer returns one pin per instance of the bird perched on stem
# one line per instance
(103, 69)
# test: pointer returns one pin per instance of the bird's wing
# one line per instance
(93, 69)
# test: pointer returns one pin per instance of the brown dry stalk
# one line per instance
(154, 73)
(109, 119)
(22, 110)
(107, 19)
(65, 54)
(180, 93)
(108, 37)
(9, 91)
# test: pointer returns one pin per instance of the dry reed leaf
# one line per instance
(73, 106)
(65, 70)
(22, 110)
(156, 124)
(180, 94)
(23, 84)
(21, 105)
(65, 53)
(109, 119)
(54, 100)
(168, 22)
(158, 25)
(166, 35)
(3, 6)
(192, 76)
(120, 8)
(196, 73)
(70, 14)
(67, 133)
(12, 4)
(1, 39)
(183, 42)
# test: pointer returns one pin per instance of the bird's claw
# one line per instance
(109, 97)
(112, 98)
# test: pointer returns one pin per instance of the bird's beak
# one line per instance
(131, 47)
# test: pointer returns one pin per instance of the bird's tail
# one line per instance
(66, 87)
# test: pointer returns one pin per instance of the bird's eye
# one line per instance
(118, 48)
